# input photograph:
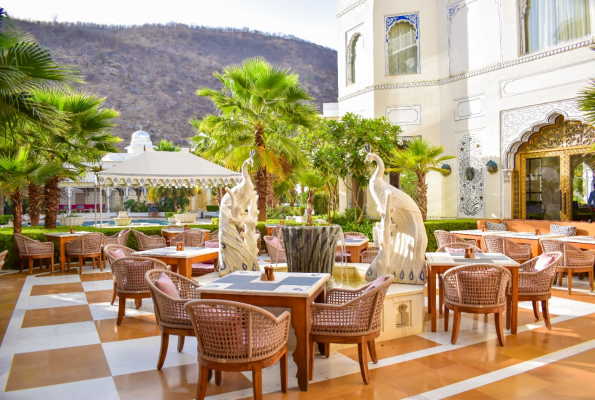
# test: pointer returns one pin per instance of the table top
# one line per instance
(272, 225)
(171, 252)
(178, 230)
(455, 259)
(578, 239)
(353, 242)
(478, 232)
(67, 234)
(285, 284)
(530, 235)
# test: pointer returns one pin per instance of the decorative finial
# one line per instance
(144, 147)
(368, 148)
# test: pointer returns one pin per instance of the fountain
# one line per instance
(311, 248)
(122, 219)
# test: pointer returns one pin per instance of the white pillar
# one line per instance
(108, 193)
(69, 194)
(506, 193)
(100, 208)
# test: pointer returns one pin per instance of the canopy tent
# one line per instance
(165, 168)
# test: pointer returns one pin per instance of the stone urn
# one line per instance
(126, 221)
(185, 218)
(311, 248)
(71, 220)
(122, 214)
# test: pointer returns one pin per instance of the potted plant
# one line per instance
(186, 217)
(71, 220)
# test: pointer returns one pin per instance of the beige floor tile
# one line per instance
(96, 276)
(394, 347)
(40, 290)
(57, 315)
(514, 387)
(100, 296)
(131, 328)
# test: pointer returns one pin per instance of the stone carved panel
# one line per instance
(470, 107)
(404, 115)
(471, 188)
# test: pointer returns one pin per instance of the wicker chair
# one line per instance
(170, 314)
(203, 268)
(444, 237)
(190, 238)
(148, 242)
(129, 273)
(340, 255)
(535, 286)
(459, 245)
(2, 257)
(85, 246)
(214, 235)
(369, 255)
(277, 253)
(120, 238)
(520, 252)
(30, 250)
(477, 289)
(107, 254)
(276, 231)
(167, 236)
(349, 316)
(574, 260)
(237, 337)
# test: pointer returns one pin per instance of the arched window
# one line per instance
(550, 22)
(402, 49)
(353, 50)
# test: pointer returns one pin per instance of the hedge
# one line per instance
(4, 219)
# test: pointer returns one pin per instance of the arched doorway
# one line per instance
(554, 173)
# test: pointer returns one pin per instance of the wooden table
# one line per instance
(477, 235)
(530, 238)
(170, 233)
(438, 263)
(182, 259)
(582, 242)
(354, 247)
(269, 228)
(62, 238)
(289, 290)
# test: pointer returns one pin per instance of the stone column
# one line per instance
(108, 192)
(506, 193)
(69, 194)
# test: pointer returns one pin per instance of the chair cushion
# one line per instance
(211, 245)
(375, 284)
(543, 262)
(118, 254)
(203, 267)
(340, 254)
(353, 237)
(275, 241)
(563, 230)
(451, 250)
(494, 226)
(166, 285)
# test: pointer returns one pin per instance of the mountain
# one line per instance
(150, 73)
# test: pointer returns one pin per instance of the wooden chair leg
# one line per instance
(203, 380)
(372, 350)
(560, 278)
(93, 262)
(52, 261)
(121, 309)
(218, 378)
(446, 316)
(115, 291)
(456, 324)
(569, 278)
(311, 358)
(181, 343)
(283, 368)
(591, 283)
(80, 265)
(499, 328)
(440, 295)
(21, 264)
(508, 311)
(327, 350)
(363, 362)
(30, 266)
(138, 302)
(257, 383)
(210, 375)
(546, 314)
(67, 263)
(535, 309)
(100, 263)
(163, 349)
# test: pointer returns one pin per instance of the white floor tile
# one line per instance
(56, 300)
(57, 337)
(94, 389)
(53, 280)
(101, 311)
(98, 285)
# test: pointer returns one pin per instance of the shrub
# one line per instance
(320, 203)
(4, 219)
(170, 214)
(212, 208)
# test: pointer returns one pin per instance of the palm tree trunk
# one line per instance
(17, 210)
(310, 200)
(1, 200)
(174, 196)
(51, 194)
(35, 192)
(292, 193)
(363, 209)
(422, 194)
(260, 181)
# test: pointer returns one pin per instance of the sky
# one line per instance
(312, 20)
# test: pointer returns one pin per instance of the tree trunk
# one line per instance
(260, 181)
(17, 207)
(35, 192)
(51, 194)
(363, 209)
(175, 199)
(292, 193)
(422, 195)
(220, 194)
(310, 200)
(1, 200)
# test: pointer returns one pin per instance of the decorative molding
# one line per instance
(506, 175)
(469, 107)
(404, 115)
(351, 7)
(467, 131)
(517, 126)
(471, 192)
(467, 75)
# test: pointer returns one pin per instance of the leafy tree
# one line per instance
(179, 195)
(336, 150)
(260, 106)
(314, 182)
(165, 145)
(420, 156)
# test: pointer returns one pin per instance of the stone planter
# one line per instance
(123, 214)
(185, 218)
(172, 220)
(311, 248)
(122, 221)
(71, 221)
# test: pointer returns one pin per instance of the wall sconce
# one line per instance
(470, 173)
(492, 167)
(447, 170)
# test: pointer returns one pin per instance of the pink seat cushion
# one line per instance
(340, 254)
(543, 262)
(203, 267)
(167, 286)
(118, 254)
(375, 284)
(211, 245)
(275, 241)
(451, 250)
(353, 237)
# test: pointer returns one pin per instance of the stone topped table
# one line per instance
(184, 259)
(62, 238)
(170, 233)
(354, 247)
(582, 242)
(530, 238)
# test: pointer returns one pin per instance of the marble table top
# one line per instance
(353, 242)
(249, 283)
(178, 230)
(456, 259)
(478, 232)
(171, 252)
(578, 239)
(67, 234)
(530, 235)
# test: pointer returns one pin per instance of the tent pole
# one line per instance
(100, 208)
(95, 201)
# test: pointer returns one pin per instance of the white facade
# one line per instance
(474, 89)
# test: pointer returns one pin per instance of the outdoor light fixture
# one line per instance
(492, 167)
(447, 169)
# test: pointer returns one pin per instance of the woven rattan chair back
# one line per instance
(190, 238)
(89, 243)
(536, 283)
(148, 242)
(459, 245)
(548, 245)
(232, 332)
(120, 238)
(478, 286)
(28, 246)
(129, 273)
(276, 231)
(3, 258)
(107, 251)
(276, 252)
(369, 255)
(444, 238)
(169, 311)
(358, 234)
(214, 235)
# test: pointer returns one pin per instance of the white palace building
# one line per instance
(490, 80)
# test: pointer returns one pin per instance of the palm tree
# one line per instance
(165, 145)
(314, 182)
(157, 193)
(17, 169)
(420, 157)
(260, 107)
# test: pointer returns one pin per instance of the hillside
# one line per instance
(150, 74)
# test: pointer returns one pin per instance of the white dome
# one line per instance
(140, 141)
(140, 134)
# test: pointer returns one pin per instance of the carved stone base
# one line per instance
(311, 248)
